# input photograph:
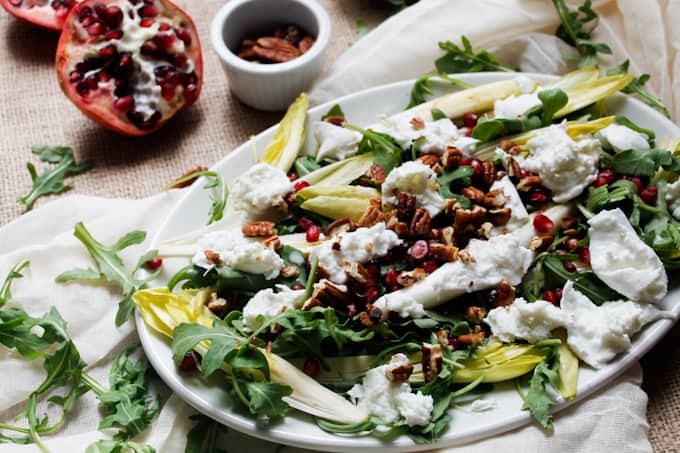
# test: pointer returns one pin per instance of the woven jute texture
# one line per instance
(34, 111)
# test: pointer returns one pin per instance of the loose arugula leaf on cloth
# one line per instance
(110, 267)
(576, 30)
(51, 181)
(113, 446)
(219, 196)
(387, 153)
(457, 59)
(14, 273)
(539, 400)
(637, 86)
(421, 90)
(205, 436)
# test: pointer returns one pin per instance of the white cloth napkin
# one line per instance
(403, 47)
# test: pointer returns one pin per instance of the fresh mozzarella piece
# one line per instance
(259, 192)
(622, 261)
(526, 85)
(389, 400)
(335, 142)
(418, 179)
(428, 136)
(620, 138)
(516, 106)
(269, 304)
(565, 166)
(361, 246)
(499, 258)
(673, 198)
(519, 215)
(239, 253)
(598, 334)
(521, 320)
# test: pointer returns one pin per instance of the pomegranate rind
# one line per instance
(100, 108)
(43, 18)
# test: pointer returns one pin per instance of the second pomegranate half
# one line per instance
(130, 65)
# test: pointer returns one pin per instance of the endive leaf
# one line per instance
(337, 207)
(289, 137)
(341, 191)
(587, 93)
(568, 369)
(575, 78)
(341, 172)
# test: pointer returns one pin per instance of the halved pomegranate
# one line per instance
(130, 65)
(49, 14)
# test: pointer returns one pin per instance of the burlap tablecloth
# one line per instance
(34, 111)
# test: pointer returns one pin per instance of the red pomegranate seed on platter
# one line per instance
(543, 224)
(154, 263)
(549, 296)
(391, 277)
(297, 287)
(305, 223)
(470, 120)
(569, 266)
(584, 255)
(311, 368)
(188, 362)
(313, 233)
(571, 244)
(419, 250)
(649, 195)
(300, 185)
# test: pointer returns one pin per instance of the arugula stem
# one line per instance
(310, 279)
(468, 388)
(33, 422)
(14, 273)
(518, 387)
(93, 384)
(237, 390)
(14, 428)
(563, 12)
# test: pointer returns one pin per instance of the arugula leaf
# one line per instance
(219, 196)
(459, 174)
(576, 29)
(14, 273)
(437, 114)
(623, 121)
(553, 100)
(387, 152)
(644, 162)
(421, 89)
(16, 332)
(400, 4)
(538, 400)
(113, 446)
(336, 110)
(305, 165)
(585, 281)
(464, 59)
(205, 435)
(130, 408)
(51, 181)
(637, 86)
(110, 267)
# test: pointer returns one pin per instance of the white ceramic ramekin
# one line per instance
(269, 86)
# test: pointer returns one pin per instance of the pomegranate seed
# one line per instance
(569, 266)
(465, 161)
(468, 131)
(184, 35)
(391, 277)
(305, 223)
(313, 233)
(104, 76)
(148, 11)
(430, 266)
(311, 368)
(351, 310)
(606, 176)
(124, 104)
(649, 195)
(372, 268)
(543, 224)
(419, 250)
(125, 60)
(549, 296)
(61, 12)
(292, 176)
(92, 82)
(538, 197)
(95, 29)
(470, 120)
(168, 91)
(113, 16)
(571, 244)
(108, 52)
(584, 255)
(188, 362)
(87, 21)
(146, 23)
(558, 295)
(74, 76)
(86, 11)
(179, 60)
(477, 164)
(297, 287)
(300, 185)
(154, 263)
(371, 294)
(290, 199)
(635, 180)
(391, 289)
(453, 342)
(164, 27)
(190, 89)
(149, 48)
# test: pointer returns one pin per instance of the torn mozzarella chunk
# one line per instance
(335, 142)
(525, 84)
(597, 334)
(521, 320)
(623, 261)
(428, 136)
(620, 138)
(267, 303)
(390, 400)
(360, 246)
(239, 253)
(516, 106)
(673, 198)
(519, 215)
(565, 166)
(259, 192)
(418, 179)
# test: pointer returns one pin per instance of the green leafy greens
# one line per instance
(457, 59)
(421, 90)
(219, 196)
(387, 151)
(204, 436)
(538, 400)
(576, 30)
(637, 86)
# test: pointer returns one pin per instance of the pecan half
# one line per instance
(275, 50)
(401, 228)
(472, 339)
(421, 224)
(290, 271)
(443, 252)
(376, 174)
(216, 304)
(494, 199)
(261, 228)
(432, 161)
(432, 360)
(468, 217)
(272, 242)
(370, 217)
(529, 182)
(475, 314)
(447, 236)
(408, 278)
(451, 158)
(514, 170)
(506, 294)
(327, 294)
(510, 146)
(305, 44)
(500, 216)
(339, 226)
(488, 173)
(406, 206)
(399, 373)
(474, 194)
(213, 257)
(357, 272)
(371, 317)
(540, 243)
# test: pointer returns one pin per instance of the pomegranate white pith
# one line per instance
(49, 14)
(130, 64)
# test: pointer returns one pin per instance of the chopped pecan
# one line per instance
(335, 120)
(370, 217)
(213, 257)
(443, 252)
(451, 206)
(494, 199)
(357, 272)
(510, 146)
(474, 194)
(432, 360)
(261, 228)
(500, 216)
(514, 170)
(506, 294)
(399, 373)
(371, 317)
(290, 271)
(488, 173)
(421, 224)
(339, 226)
(408, 278)
(376, 174)
(468, 217)
(406, 206)
(465, 257)
(472, 339)
(272, 242)
(529, 182)
(216, 304)
(401, 228)
(540, 243)
(432, 161)
(475, 314)
(442, 337)
(568, 222)
(451, 158)
(417, 123)
(305, 44)
(447, 236)
(327, 294)
(484, 231)
(188, 182)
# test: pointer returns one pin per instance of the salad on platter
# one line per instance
(512, 231)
